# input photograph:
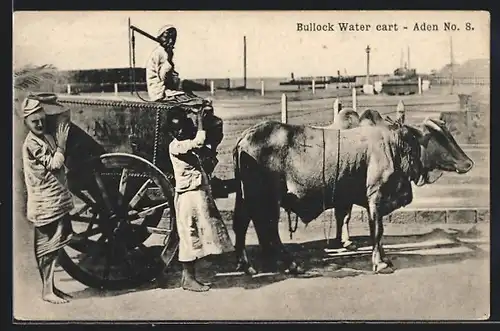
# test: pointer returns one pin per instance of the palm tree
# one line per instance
(32, 77)
(26, 79)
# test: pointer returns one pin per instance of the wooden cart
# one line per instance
(120, 174)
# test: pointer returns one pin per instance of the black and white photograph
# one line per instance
(251, 166)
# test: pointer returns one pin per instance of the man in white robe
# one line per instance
(201, 229)
(161, 77)
(49, 199)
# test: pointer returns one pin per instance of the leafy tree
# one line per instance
(26, 79)
(32, 77)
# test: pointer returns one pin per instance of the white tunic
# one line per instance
(157, 70)
(44, 174)
(199, 223)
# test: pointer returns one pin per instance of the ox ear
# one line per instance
(400, 121)
(389, 120)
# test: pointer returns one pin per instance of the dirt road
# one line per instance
(445, 283)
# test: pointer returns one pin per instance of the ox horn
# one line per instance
(432, 124)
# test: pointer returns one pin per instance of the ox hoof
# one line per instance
(388, 262)
(295, 269)
(250, 271)
(247, 269)
(350, 246)
(382, 268)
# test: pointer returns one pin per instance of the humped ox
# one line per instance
(346, 119)
(307, 170)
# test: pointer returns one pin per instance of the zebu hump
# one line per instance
(371, 117)
(269, 133)
(248, 132)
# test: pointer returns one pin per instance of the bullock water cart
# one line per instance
(119, 171)
(120, 174)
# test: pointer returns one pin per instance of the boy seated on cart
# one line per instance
(49, 199)
(164, 85)
(163, 81)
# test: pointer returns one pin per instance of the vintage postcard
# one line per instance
(251, 165)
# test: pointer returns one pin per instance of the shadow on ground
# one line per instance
(311, 255)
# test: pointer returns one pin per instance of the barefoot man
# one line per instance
(199, 224)
(49, 200)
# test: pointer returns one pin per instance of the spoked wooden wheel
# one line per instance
(123, 218)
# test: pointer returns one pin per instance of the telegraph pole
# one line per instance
(245, 62)
(130, 57)
(409, 66)
(367, 64)
(451, 65)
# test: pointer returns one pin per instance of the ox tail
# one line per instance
(238, 179)
(237, 175)
(237, 171)
(241, 217)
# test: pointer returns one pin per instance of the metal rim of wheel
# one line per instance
(122, 198)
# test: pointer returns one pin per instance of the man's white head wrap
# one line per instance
(31, 106)
(165, 28)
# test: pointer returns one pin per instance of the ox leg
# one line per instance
(241, 221)
(265, 213)
(385, 258)
(376, 233)
(342, 217)
(290, 264)
(264, 228)
(266, 218)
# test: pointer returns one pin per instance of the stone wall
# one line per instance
(471, 124)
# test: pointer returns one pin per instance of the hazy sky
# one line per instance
(210, 44)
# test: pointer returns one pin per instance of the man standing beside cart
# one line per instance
(49, 199)
(200, 227)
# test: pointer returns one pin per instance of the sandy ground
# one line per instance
(445, 283)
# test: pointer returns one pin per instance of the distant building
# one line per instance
(103, 76)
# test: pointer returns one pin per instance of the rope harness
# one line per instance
(337, 171)
(293, 229)
(290, 229)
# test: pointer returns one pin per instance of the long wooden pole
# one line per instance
(337, 106)
(367, 64)
(409, 65)
(144, 33)
(354, 105)
(130, 57)
(245, 62)
(284, 108)
(451, 65)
